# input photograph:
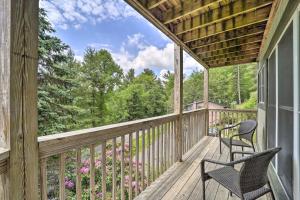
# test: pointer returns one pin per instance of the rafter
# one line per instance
(227, 45)
(233, 9)
(232, 54)
(230, 63)
(154, 3)
(246, 34)
(249, 19)
(188, 8)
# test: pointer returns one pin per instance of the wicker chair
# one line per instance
(245, 132)
(250, 182)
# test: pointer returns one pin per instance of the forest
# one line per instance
(74, 95)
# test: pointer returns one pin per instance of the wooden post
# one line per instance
(205, 99)
(18, 94)
(178, 96)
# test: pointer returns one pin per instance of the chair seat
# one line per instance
(226, 141)
(229, 178)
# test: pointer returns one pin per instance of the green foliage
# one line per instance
(56, 72)
(143, 97)
(98, 76)
(193, 87)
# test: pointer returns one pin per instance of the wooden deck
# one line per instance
(183, 180)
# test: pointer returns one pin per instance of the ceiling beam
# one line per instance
(245, 34)
(146, 13)
(154, 3)
(232, 54)
(228, 45)
(242, 21)
(188, 8)
(231, 63)
(233, 9)
(240, 49)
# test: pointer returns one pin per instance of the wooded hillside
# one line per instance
(74, 95)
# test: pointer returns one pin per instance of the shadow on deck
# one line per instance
(183, 180)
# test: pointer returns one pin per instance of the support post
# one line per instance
(205, 99)
(178, 96)
(18, 95)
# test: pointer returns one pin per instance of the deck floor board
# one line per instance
(183, 180)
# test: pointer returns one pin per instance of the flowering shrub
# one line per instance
(70, 179)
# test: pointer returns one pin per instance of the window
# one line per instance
(285, 109)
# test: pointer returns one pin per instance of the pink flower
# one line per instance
(99, 194)
(69, 184)
(98, 163)
(84, 170)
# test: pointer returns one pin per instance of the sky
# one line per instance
(115, 26)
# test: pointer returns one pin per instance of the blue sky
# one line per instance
(115, 26)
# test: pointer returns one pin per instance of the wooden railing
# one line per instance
(226, 117)
(115, 161)
(127, 155)
(193, 128)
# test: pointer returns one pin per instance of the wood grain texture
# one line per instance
(63, 142)
(78, 175)
(178, 96)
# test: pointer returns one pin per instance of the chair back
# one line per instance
(247, 128)
(253, 174)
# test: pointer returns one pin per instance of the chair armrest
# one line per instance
(225, 128)
(241, 152)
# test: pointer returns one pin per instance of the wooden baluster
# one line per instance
(92, 172)
(143, 160)
(103, 159)
(172, 142)
(130, 166)
(162, 149)
(62, 176)
(165, 146)
(157, 152)
(137, 163)
(43, 175)
(153, 153)
(148, 157)
(78, 175)
(168, 144)
(122, 168)
(114, 179)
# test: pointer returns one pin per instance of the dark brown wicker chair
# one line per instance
(245, 132)
(250, 182)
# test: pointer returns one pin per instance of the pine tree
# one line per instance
(56, 72)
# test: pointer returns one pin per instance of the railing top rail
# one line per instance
(62, 142)
(193, 111)
(234, 110)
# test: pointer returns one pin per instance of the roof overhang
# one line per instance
(214, 32)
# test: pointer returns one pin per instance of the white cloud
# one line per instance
(76, 12)
(152, 57)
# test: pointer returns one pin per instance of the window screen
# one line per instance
(271, 112)
(285, 109)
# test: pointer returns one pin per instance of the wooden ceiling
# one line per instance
(215, 32)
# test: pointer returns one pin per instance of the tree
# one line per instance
(193, 87)
(56, 72)
(99, 76)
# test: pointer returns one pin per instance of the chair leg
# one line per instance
(220, 146)
(203, 190)
(242, 150)
(230, 153)
(272, 194)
